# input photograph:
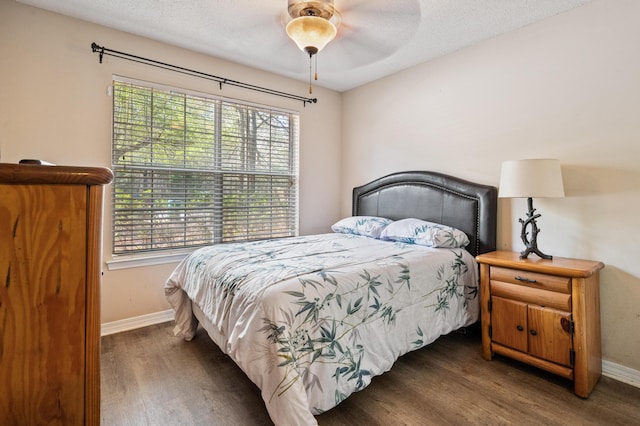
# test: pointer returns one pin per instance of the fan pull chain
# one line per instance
(310, 72)
(316, 74)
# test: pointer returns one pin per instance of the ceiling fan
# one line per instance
(375, 26)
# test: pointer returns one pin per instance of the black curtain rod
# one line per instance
(101, 50)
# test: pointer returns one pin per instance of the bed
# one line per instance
(312, 319)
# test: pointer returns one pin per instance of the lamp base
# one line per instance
(532, 245)
(529, 250)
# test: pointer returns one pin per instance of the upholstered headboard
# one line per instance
(436, 197)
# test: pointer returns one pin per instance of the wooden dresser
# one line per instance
(543, 312)
(50, 258)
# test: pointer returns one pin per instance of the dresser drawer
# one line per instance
(531, 279)
(551, 299)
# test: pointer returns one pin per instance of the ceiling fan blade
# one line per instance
(371, 30)
(378, 7)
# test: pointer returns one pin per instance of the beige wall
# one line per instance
(54, 106)
(566, 88)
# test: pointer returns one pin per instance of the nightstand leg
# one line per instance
(485, 297)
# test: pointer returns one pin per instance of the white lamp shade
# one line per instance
(311, 31)
(535, 178)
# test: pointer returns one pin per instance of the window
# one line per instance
(193, 170)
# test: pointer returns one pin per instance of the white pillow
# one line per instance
(369, 226)
(421, 232)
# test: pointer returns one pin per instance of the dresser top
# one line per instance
(52, 175)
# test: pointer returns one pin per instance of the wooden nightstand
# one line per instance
(543, 312)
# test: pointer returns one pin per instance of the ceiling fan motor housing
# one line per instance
(320, 8)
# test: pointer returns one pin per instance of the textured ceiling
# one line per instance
(376, 37)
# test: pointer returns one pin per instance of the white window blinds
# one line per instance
(191, 170)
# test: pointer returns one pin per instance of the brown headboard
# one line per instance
(436, 197)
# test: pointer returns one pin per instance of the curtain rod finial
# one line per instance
(96, 48)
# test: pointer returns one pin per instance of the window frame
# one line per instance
(123, 259)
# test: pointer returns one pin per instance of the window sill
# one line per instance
(136, 261)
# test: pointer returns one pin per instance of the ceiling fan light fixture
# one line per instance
(311, 33)
(311, 27)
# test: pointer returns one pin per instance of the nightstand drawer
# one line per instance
(551, 299)
(531, 279)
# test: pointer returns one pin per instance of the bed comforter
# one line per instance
(312, 319)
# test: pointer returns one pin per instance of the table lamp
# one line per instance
(539, 178)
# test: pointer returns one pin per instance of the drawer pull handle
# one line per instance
(533, 332)
(520, 328)
(525, 279)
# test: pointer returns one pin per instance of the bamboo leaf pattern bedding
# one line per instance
(313, 319)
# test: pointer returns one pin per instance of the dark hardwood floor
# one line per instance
(150, 377)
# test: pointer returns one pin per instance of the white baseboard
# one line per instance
(610, 369)
(621, 373)
(136, 322)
